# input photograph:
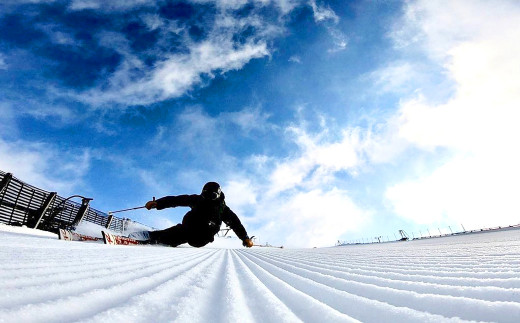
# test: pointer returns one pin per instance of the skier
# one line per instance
(199, 226)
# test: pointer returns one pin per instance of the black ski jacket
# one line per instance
(205, 215)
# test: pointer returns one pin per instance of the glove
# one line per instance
(247, 243)
(150, 205)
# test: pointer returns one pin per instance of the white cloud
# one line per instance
(395, 77)
(229, 4)
(295, 59)
(152, 21)
(288, 174)
(479, 48)
(209, 132)
(249, 119)
(318, 159)
(201, 128)
(55, 114)
(339, 39)
(308, 218)
(322, 13)
(109, 6)
(175, 74)
(471, 139)
(179, 73)
(285, 6)
(58, 114)
(132, 83)
(17, 2)
(477, 192)
(439, 26)
(56, 35)
(84, 4)
(295, 201)
(325, 15)
(45, 166)
(241, 192)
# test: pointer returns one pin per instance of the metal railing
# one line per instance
(24, 204)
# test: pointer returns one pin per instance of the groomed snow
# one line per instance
(472, 277)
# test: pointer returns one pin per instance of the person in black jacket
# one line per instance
(202, 222)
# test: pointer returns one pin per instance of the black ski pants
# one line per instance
(195, 233)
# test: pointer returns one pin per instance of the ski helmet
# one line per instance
(211, 191)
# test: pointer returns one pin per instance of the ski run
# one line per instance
(474, 277)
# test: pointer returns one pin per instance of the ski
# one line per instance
(113, 239)
(68, 235)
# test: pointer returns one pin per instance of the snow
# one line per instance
(462, 278)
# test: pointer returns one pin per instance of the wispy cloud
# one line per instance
(296, 200)
(175, 74)
(249, 119)
(284, 6)
(173, 77)
(325, 15)
(399, 77)
(109, 6)
(339, 39)
(318, 161)
(164, 52)
(295, 59)
(211, 133)
(199, 127)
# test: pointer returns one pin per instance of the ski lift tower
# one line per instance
(404, 235)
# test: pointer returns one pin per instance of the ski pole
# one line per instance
(130, 209)
(134, 208)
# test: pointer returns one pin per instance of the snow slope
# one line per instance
(472, 277)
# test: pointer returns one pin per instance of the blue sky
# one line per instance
(322, 120)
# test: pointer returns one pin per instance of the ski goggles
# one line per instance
(211, 195)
